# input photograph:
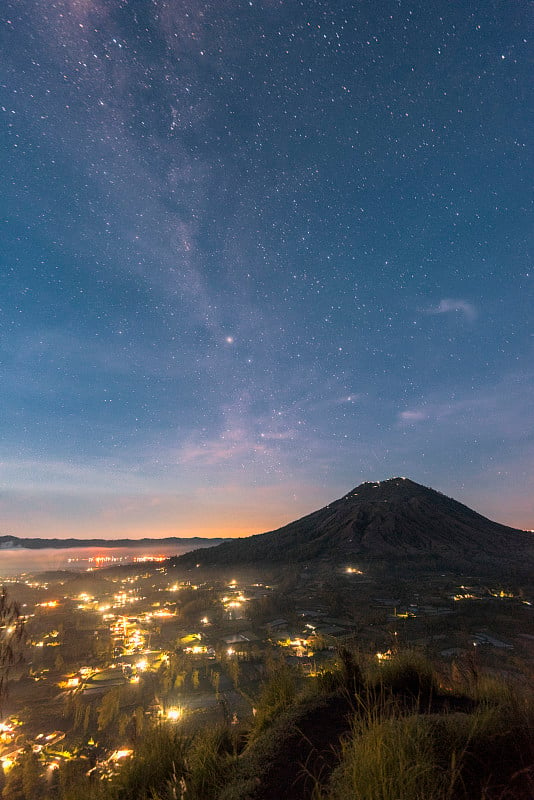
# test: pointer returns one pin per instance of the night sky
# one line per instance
(254, 253)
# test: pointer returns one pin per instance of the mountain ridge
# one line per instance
(28, 543)
(378, 520)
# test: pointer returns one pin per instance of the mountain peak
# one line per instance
(389, 483)
(394, 519)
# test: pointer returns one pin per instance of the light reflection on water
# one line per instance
(16, 562)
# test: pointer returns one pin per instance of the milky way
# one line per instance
(254, 253)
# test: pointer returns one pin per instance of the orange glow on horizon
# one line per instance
(233, 532)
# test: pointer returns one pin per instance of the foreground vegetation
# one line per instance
(393, 731)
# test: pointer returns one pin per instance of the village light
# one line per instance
(174, 714)
(384, 656)
(117, 755)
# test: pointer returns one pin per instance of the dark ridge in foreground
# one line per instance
(380, 521)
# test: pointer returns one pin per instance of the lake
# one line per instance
(79, 559)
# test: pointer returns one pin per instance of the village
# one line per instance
(107, 653)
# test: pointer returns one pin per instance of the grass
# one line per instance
(400, 748)
(210, 761)
(359, 731)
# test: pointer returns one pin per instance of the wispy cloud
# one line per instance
(409, 417)
(219, 451)
(448, 306)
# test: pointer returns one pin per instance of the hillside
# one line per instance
(393, 519)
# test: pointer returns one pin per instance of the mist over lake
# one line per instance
(78, 559)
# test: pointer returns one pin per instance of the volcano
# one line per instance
(392, 520)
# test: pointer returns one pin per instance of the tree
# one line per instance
(32, 780)
(195, 678)
(59, 662)
(13, 786)
(87, 720)
(215, 679)
(108, 710)
(11, 630)
(232, 668)
(139, 716)
(124, 721)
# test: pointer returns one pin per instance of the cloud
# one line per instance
(447, 305)
(213, 453)
(412, 416)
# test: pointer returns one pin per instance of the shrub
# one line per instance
(411, 676)
(160, 758)
(277, 694)
(209, 762)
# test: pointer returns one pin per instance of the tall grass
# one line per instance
(409, 675)
(400, 749)
(408, 741)
(278, 694)
(388, 760)
(210, 760)
(161, 756)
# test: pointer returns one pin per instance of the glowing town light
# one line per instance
(174, 714)
(384, 656)
(119, 754)
(143, 559)
(142, 665)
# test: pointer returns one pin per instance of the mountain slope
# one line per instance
(397, 518)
